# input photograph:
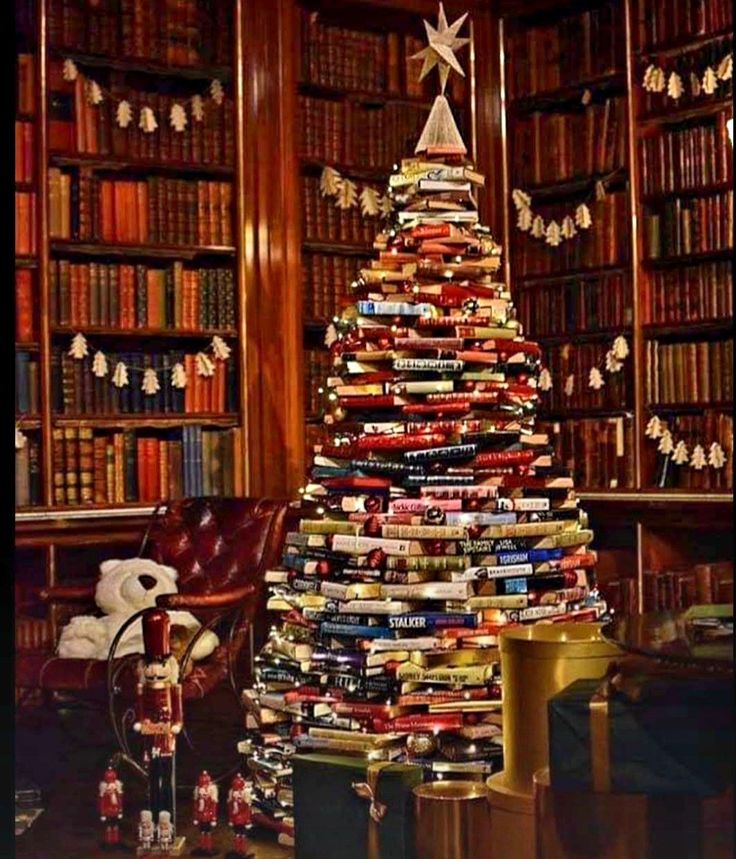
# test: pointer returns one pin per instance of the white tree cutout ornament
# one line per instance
(386, 205)
(99, 364)
(724, 72)
(197, 108)
(204, 364)
(94, 93)
(710, 81)
(538, 230)
(150, 384)
(178, 117)
(648, 79)
(20, 438)
(120, 375)
(370, 204)
(217, 92)
(583, 219)
(545, 380)
(329, 182)
(79, 348)
(620, 347)
(666, 444)
(124, 114)
(552, 235)
(654, 428)
(220, 349)
(697, 459)
(569, 385)
(716, 456)
(69, 70)
(330, 335)
(347, 195)
(147, 122)
(178, 376)
(521, 199)
(680, 454)
(675, 88)
(595, 379)
(658, 80)
(524, 220)
(568, 228)
(613, 365)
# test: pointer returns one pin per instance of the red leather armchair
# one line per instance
(221, 548)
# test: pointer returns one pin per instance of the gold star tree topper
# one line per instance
(440, 52)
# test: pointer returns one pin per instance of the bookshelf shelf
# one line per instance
(570, 274)
(98, 249)
(557, 191)
(675, 116)
(655, 496)
(569, 95)
(28, 423)
(334, 247)
(26, 262)
(689, 331)
(371, 174)
(101, 331)
(584, 336)
(360, 96)
(575, 414)
(687, 259)
(683, 408)
(685, 43)
(25, 186)
(148, 67)
(147, 420)
(27, 347)
(83, 511)
(699, 191)
(122, 164)
(21, 116)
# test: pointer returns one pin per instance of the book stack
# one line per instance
(691, 293)
(580, 304)
(324, 221)
(552, 147)
(606, 243)
(125, 297)
(689, 372)
(77, 391)
(155, 210)
(434, 516)
(181, 33)
(689, 225)
(125, 467)
(596, 450)
(326, 283)
(576, 360)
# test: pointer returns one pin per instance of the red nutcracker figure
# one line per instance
(110, 806)
(238, 812)
(205, 813)
(159, 715)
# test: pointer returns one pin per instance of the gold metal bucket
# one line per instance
(452, 820)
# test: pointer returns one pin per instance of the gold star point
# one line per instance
(443, 41)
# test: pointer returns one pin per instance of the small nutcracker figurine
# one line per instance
(159, 717)
(165, 832)
(110, 806)
(238, 811)
(205, 813)
(146, 831)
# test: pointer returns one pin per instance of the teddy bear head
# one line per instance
(132, 584)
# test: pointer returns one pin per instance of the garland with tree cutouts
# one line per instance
(701, 455)
(345, 193)
(612, 362)
(656, 79)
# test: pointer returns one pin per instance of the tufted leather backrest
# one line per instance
(219, 543)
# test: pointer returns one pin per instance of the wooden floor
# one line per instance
(66, 757)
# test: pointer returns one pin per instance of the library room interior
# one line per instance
(373, 429)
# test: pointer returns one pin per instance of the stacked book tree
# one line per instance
(434, 517)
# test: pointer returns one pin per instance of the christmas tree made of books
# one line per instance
(435, 515)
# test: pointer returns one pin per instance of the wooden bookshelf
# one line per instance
(644, 526)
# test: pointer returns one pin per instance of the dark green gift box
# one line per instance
(674, 737)
(331, 820)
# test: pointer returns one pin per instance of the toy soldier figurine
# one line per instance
(159, 717)
(165, 832)
(110, 806)
(238, 812)
(205, 813)
(146, 832)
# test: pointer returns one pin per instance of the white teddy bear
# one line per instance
(124, 588)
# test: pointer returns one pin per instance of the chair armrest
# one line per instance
(223, 599)
(68, 593)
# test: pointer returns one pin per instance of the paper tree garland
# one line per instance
(595, 379)
(612, 363)
(120, 376)
(716, 456)
(697, 459)
(150, 384)
(69, 70)
(197, 108)
(655, 79)
(99, 365)
(124, 114)
(94, 93)
(666, 444)
(204, 364)
(675, 88)
(370, 202)
(569, 385)
(347, 194)
(656, 428)
(178, 376)
(680, 454)
(545, 380)
(178, 117)
(20, 438)
(78, 348)
(220, 349)
(147, 122)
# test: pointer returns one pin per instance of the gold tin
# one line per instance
(536, 663)
(452, 820)
(512, 820)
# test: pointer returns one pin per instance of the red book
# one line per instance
(153, 469)
(141, 202)
(189, 390)
(23, 306)
(143, 494)
(107, 210)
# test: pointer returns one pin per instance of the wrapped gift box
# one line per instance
(663, 735)
(332, 819)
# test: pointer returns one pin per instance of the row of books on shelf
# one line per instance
(323, 220)
(28, 491)
(690, 67)
(691, 293)
(662, 22)
(317, 363)
(605, 243)
(25, 156)
(691, 372)
(579, 304)
(33, 633)
(686, 225)
(686, 158)
(25, 95)
(578, 47)
(553, 147)
(125, 467)
(347, 132)
(25, 327)
(156, 210)
(77, 391)
(26, 213)
(598, 451)
(326, 282)
(703, 429)
(127, 296)
(27, 384)
(361, 60)
(78, 127)
(184, 33)
(576, 360)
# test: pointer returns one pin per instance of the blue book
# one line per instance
(530, 556)
(186, 438)
(431, 620)
(22, 383)
(198, 463)
(460, 518)
(355, 630)
(322, 471)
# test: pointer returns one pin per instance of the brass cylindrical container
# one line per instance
(536, 663)
(452, 820)
(512, 820)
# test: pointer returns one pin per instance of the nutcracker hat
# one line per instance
(110, 774)
(204, 779)
(238, 782)
(156, 626)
